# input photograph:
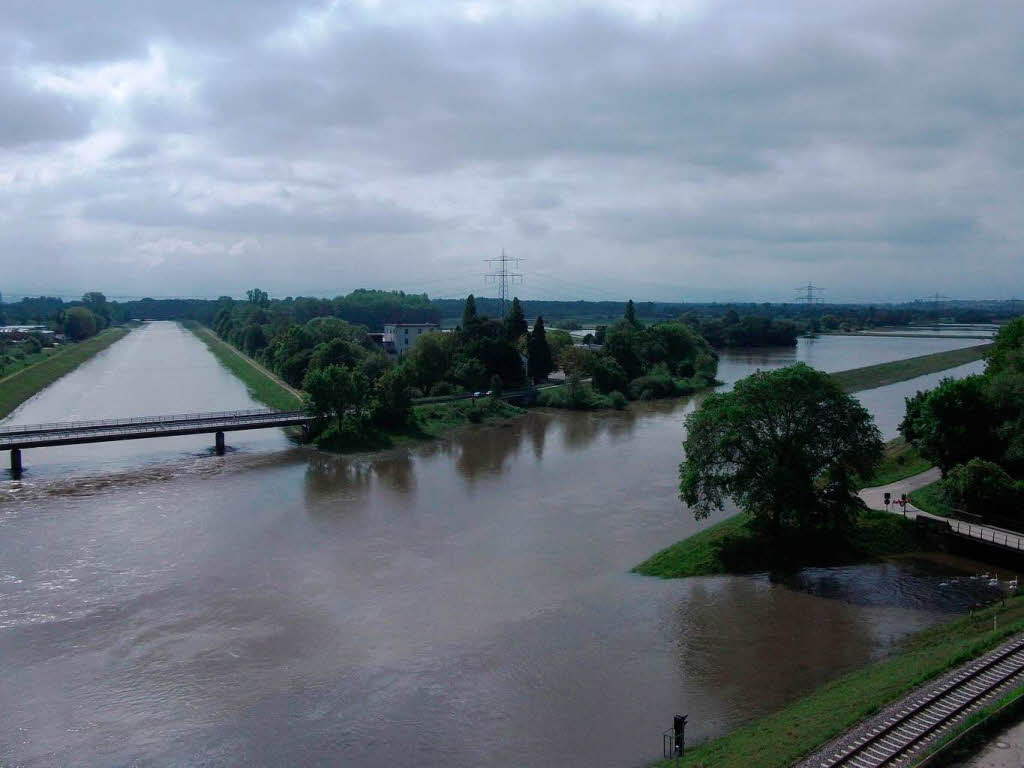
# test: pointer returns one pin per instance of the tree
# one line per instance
(331, 391)
(515, 322)
(983, 488)
(391, 397)
(1007, 351)
(431, 357)
(96, 303)
(575, 362)
(786, 445)
(630, 314)
(79, 323)
(538, 353)
(254, 339)
(953, 423)
(557, 341)
(608, 375)
(258, 297)
(469, 316)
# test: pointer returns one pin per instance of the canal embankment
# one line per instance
(872, 376)
(23, 384)
(799, 729)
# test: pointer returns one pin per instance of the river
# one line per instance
(464, 602)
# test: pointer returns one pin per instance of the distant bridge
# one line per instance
(16, 437)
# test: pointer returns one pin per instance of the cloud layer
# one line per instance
(671, 151)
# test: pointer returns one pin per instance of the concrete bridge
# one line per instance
(16, 437)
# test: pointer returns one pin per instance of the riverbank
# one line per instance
(263, 385)
(872, 376)
(781, 739)
(23, 384)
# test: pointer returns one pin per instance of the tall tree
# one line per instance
(786, 445)
(538, 354)
(515, 321)
(469, 316)
(630, 314)
(258, 297)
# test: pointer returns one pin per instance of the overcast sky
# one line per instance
(658, 150)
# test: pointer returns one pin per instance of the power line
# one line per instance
(936, 299)
(502, 277)
(809, 294)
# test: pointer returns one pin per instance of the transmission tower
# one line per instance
(504, 278)
(936, 299)
(808, 294)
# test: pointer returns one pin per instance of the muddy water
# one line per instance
(461, 603)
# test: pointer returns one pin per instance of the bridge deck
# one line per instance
(18, 436)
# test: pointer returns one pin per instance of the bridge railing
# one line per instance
(982, 533)
(70, 426)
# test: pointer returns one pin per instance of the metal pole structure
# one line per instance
(504, 278)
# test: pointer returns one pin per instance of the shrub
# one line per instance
(982, 488)
(652, 387)
(442, 389)
(617, 399)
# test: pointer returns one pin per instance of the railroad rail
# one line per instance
(910, 728)
(16, 437)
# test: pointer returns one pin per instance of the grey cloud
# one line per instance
(789, 131)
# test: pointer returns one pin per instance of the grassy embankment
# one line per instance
(872, 376)
(929, 499)
(786, 736)
(26, 382)
(427, 421)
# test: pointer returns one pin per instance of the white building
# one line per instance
(401, 336)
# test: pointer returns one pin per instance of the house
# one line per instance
(399, 337)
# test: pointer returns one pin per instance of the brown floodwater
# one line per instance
(463, 602)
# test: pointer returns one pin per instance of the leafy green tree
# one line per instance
(1007, 351)
(337, 351)
(469, 316)
(557, 341)
(392, 398)
(79, 323)
(258, 297)
(332, 391)
(540, 363)
(254, 339)
(984, 488)
(630, 314)
(469, 372)
(515, 322)
(608, 375)
(431, 357)
(786, 445)
(96, 303)
(953, 423)
(624, 343)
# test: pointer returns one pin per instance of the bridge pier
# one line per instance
(219, 443)
(16, 461)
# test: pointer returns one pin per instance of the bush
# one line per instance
(617, 400)
(578, 398)
(442, 389)
(652, 387)
(982, 488)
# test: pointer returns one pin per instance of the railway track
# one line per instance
(894, 740)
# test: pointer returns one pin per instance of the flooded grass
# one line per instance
(732, 546)
(23, 384)
(790, 734)
(880, 375)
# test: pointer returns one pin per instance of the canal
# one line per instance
(463, 602)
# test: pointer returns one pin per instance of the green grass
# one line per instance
(929, 499)
(261, 386)
(434, 419)
(780, 739)
(732, 546)
(873, 376)
(20, 386)
(899, 461)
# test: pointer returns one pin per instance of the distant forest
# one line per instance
(374, 308)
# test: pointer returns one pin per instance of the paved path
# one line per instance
(1006, 750)
(874, 498)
